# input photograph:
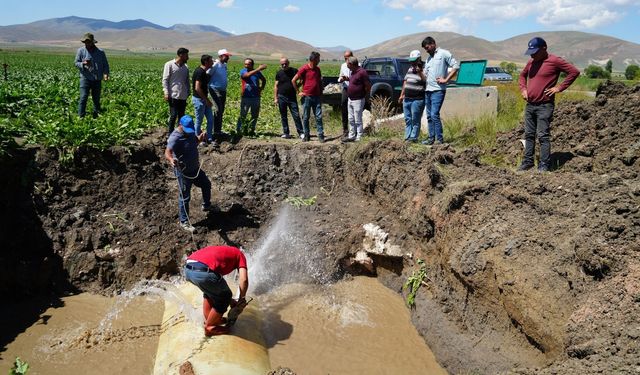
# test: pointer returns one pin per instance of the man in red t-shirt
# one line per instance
(538, 86)
(310, 79)
(205, 269)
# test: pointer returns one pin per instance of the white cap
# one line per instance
(224, 52)
(414, 55)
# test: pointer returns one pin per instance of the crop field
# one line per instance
(39, 98)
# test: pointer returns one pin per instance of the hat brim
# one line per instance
(188, 130)
(412, 59)
(89, 40)
(531, 51)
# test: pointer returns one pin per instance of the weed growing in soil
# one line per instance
(19, 367)
(298, 202)
(413, 283)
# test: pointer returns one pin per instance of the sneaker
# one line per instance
(301, 136)
(543, 169)
(321, 138)
(188, 227)
(525, 167)
(305, 138)
(285, 136)
(358, 139)
(347, 140)
(207, 208)
(427, 142)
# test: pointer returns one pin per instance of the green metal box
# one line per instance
(471, 73)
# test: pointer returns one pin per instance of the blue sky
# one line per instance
(356, 23)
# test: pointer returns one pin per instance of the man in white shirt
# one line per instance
(175, 85)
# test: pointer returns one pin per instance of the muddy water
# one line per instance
(352, 327)
(75, 339)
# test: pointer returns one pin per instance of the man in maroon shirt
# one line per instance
(357, 93)
(311, 82)
(205, 269)
(538, 86)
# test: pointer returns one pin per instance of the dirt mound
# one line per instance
(528, 273)
(602, 136)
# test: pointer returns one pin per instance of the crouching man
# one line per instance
(205, 269)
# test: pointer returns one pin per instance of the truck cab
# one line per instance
(386, 75)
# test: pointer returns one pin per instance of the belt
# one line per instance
(198, 268)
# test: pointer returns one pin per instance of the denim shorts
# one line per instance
(212, 284)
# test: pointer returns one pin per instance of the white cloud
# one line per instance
(396, 4)
(407, 18)
(576, 14)
(440, 24)
(291, 9)
(226, 4)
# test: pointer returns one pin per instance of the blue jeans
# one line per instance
(212, 284)
(309, 103)
(412, 109)
(537, 124)
(202, 111)
(86, 87)
(292, 104)
(248, 105)
(220, 98)
(184, 186)
(433, 102)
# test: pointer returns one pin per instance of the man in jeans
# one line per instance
(358, 92)
(285, 97)
(436, 69)
(311, 80)
(538, 87)
(175, 85)
(93, 65)
(182, 154)
(253, 83)
(218, 92)
(200, 98)
(205, 269)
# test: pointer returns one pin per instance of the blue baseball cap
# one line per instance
(534, 45)
(187, 124)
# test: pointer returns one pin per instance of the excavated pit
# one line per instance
(526, 273)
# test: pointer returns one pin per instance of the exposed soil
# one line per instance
(527, 273)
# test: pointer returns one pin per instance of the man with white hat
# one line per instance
(94, 67)
(218, 91)
(538, 86)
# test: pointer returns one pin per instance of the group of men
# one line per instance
(207, 86)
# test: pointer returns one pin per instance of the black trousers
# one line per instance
(177, 108)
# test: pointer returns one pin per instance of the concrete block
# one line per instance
(467, 103)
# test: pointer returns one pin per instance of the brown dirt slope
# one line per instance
(527, 273)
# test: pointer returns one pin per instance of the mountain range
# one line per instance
(140, 35)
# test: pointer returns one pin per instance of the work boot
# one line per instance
(524, 167)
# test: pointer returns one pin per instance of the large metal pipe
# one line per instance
(243, 352)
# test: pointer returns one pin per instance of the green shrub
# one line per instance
(632, 72)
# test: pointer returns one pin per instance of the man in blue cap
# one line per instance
(538, 86)
(182, 154)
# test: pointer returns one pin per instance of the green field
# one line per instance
(38, 101)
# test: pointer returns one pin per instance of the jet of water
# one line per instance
(283, 256)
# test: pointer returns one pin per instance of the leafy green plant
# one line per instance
(19, 367)
(298, 202)
(413, 283)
